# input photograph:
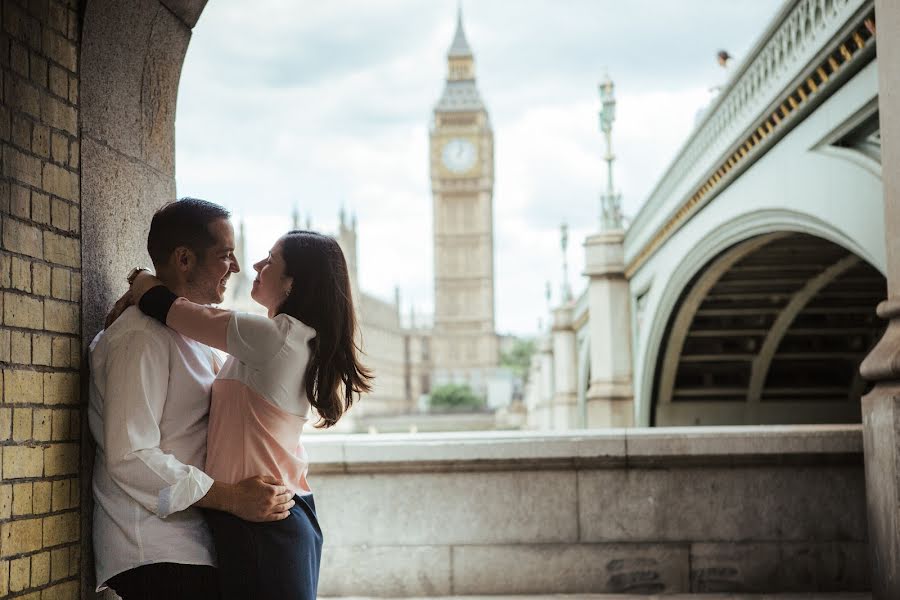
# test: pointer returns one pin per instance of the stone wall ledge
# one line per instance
(610, 448)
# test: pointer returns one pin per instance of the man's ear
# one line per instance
(184, 259)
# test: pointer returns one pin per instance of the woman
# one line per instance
(302, 355)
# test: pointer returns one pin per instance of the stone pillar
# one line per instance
(565, 369)
(610, 397)
(544, 407)
(881, 407)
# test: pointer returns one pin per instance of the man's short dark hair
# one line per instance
(184, 222)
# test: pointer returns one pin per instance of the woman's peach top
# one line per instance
(259, 405)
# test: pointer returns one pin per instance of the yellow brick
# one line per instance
(74, 560)
(42, 425)
(40, 569)
(61, 353)
(61, 529)
(21, 274)
(64, 591)
(21, 499)
(18, 537)
(22, 461)
(22, 238)
(77, 357)
(23, 311)
(62, 250)
(61, 459)
(5, 423)
(61, 493)
(40, 284)
(40, 350)
(59, 564)
(5, 501)
(59, 212)
(61, 388)
(4, 578)
(75, 220)
(75, 499)
(20, 347)
(40, 497)
(5, 267)
(5, 335)
(60, 287)
(19, 574)
(61, 430)
(21, 387)
(21, 424)
(61, 316)
(40, 207)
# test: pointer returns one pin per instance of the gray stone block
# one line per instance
(437, 509)
(186, 10)
(119, 198)
(723, 504)
(571, 568)
(131, 63)
(401, 571)
(780, 567)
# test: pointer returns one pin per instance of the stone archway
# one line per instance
(131, 57)
(770, 331)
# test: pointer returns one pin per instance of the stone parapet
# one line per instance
(622, 510)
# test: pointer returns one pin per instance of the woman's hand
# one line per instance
(142, 283)
(118, 308)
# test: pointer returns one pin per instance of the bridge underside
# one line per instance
(771, 331)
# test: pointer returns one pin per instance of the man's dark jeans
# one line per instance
(169, 581)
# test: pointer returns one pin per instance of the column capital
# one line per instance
(604, 255)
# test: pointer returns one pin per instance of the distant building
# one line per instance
(458, 344)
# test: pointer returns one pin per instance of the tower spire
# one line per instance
(460, 46)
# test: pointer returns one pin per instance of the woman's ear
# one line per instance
(288, 286)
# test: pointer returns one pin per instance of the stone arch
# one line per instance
(130, 64)
(721, 238)
(771, 331)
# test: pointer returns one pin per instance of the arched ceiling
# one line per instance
(777, 333)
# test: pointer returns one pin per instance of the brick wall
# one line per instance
(40, 293)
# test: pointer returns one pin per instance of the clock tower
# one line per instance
(465, 346)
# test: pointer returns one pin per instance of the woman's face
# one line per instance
(271, 285)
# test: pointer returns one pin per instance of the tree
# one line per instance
(518, 357)
(455, 396)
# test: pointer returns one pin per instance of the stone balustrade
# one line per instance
(620, 511)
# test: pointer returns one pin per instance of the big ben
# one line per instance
(464, 347)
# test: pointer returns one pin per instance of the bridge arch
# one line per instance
(732, 386)
(668, 287)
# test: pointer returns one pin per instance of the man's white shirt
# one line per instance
(148, 413)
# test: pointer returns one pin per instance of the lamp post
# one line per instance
(564, 244)
(610, 201)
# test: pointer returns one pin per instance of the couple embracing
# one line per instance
(200, 482)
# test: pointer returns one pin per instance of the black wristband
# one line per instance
(156, 302)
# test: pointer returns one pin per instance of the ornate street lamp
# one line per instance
(610, 201)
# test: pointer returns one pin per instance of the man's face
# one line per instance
(210, 274)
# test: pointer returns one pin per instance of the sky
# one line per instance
(322, 105)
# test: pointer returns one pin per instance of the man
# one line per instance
(149, 407)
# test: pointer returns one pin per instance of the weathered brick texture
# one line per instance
(40, 296)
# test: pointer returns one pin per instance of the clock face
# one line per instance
(459, 155)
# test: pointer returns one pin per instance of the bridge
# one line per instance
(744, 290)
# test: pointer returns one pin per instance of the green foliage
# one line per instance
(518, 357)
(455, 396)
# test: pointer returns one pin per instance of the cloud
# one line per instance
(328, 104)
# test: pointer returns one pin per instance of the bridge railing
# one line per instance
(797, 39)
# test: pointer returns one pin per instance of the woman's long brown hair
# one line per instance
(321, 298)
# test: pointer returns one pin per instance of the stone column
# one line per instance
(610, 397)
(565, 369)
(881, 407)
(545, 385)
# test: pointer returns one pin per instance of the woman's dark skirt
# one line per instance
(261, 561)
